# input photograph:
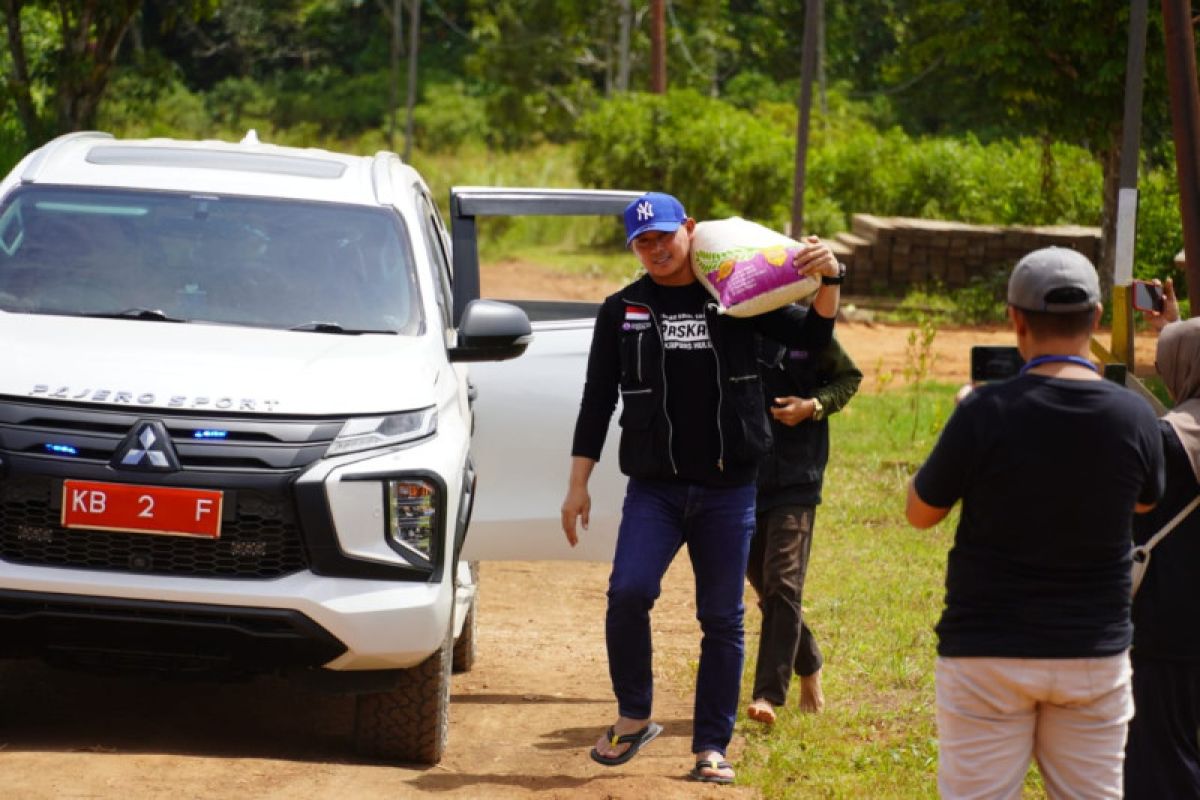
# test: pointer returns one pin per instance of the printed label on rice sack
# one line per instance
(737, 280)
(748, 268)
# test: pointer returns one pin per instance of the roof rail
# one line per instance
(48, 150)
(381, 176)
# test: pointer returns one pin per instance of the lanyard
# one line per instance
(1034, 362)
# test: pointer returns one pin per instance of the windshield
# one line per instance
(147, 255)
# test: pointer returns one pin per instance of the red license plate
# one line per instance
(142, 509)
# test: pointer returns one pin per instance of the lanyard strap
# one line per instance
(1035, 362)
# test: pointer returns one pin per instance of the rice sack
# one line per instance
(748, 268)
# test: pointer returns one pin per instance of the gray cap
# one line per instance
(1054, 279)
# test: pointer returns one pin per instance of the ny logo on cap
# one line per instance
(645, 210)
(147, 447)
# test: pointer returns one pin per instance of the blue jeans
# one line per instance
(716, 524)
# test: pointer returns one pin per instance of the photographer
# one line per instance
(1050, 467)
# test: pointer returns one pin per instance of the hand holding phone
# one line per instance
(1147, 296)
(994, 362)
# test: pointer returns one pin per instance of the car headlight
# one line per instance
(366, 433)
(412, 505)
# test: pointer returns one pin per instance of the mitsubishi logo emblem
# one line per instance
(147, 447)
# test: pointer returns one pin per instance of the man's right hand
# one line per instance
(1170, 312)
(576, 506)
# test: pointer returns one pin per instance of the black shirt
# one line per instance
(1167, 606)
(693, 390)
(1048, 471)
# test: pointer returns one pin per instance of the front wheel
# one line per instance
(410, 723)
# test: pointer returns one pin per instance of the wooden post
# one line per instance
(658, 47)
(1185, 126)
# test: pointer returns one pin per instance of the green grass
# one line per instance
(874, 592)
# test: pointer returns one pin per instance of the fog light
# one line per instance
(412, 516)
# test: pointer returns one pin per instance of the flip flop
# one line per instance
(697, 773)
(636, 741)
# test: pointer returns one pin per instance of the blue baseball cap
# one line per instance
(653, 211)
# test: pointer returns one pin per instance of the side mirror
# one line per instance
(491, 331)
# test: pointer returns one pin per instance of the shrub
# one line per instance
(747, 89)
(719, 160)
(236, 103)
(333, 101)
(1002, 183)
(154, 103)
(449, 118)
(1159, 229)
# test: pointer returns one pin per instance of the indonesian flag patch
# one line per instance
(636, 314)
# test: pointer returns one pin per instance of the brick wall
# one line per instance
(887, 255)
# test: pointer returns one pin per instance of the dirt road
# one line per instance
(521, 722)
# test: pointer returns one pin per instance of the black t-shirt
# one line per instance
(1167, 607)
(1048, 471)
(693, 390)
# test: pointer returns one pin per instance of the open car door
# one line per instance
(525, 408)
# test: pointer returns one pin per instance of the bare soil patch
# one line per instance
(521, 722)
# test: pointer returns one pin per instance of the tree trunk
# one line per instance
(92, 32)
(18, 82)
(626, 21)
(1106, 261)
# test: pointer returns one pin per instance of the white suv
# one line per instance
(234, 423)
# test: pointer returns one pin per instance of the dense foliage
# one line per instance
(1003, 112)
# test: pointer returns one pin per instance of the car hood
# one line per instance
(202, 367)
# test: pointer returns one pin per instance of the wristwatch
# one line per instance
(818, 410)
(826, 280)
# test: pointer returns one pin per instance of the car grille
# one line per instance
(261, 535)
(262, 540)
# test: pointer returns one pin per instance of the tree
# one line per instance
(1027, 67)
(90, 36)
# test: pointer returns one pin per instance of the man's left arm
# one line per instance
(840, 378)
(946, 474)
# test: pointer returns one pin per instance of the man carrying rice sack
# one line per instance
(694, 429)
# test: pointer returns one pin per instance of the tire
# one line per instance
(464, 646)
(410, 723)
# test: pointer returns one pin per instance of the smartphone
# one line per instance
(991, 362)
(1147, 296)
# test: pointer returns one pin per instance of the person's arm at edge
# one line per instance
(1153, 492)
(577, 506)
(920, 514)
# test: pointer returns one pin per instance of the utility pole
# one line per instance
(658, 47)
(1127, 193)
(814, 10)
(1185, 126)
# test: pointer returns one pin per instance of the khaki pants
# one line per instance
(994, 714)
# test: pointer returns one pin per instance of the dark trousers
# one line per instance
(1162, 754)
(716, 524)
(776, 569)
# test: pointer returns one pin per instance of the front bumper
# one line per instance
(301, 620)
